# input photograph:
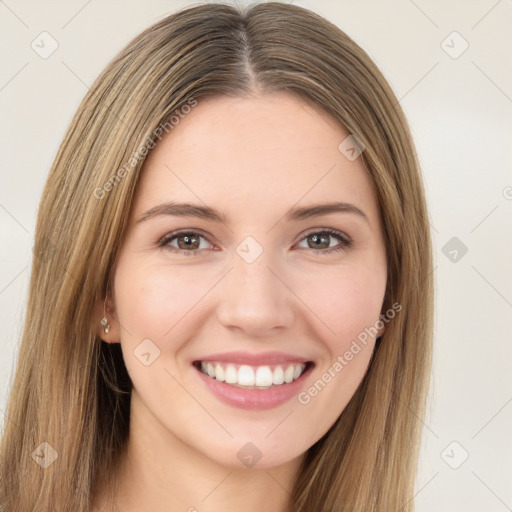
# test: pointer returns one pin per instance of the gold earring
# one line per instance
(104, 321)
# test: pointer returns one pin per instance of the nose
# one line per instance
(254, 299)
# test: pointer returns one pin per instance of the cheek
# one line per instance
(153, 308)
(152, 301)
(347, 302)
(156, 308)
(350, 309)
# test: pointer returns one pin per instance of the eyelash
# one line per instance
(345, 242)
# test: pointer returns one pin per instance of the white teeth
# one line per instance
(219, 373)
(278, 376)
(263, 376)
(248, 376)
(231, 374)
(245, 375)
(288, 374)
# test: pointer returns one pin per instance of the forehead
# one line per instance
(253, 156)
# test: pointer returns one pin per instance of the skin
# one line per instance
(252, 159)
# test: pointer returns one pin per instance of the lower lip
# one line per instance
(253, 398)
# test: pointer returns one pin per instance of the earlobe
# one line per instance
(105, 324)
(107, 332)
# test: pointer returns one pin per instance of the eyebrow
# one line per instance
(207, 213)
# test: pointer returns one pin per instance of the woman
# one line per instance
(231, 299)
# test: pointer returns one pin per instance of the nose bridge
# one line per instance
(253, 298)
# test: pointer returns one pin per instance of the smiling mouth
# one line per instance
(253, 377)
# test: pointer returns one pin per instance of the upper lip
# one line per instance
(251, 359)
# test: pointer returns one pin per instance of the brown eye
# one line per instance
(188, 242)
(185, 242)
(321, 240)
(318, 241)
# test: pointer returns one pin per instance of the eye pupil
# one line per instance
(188, 242)
(319, 241)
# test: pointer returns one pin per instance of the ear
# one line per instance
(106, 309)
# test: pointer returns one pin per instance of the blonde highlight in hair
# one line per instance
(72, 391)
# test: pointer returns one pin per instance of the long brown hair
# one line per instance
(72, 391)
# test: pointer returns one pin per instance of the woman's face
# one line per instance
(247, 274)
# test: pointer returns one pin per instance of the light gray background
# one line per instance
(459, 108)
